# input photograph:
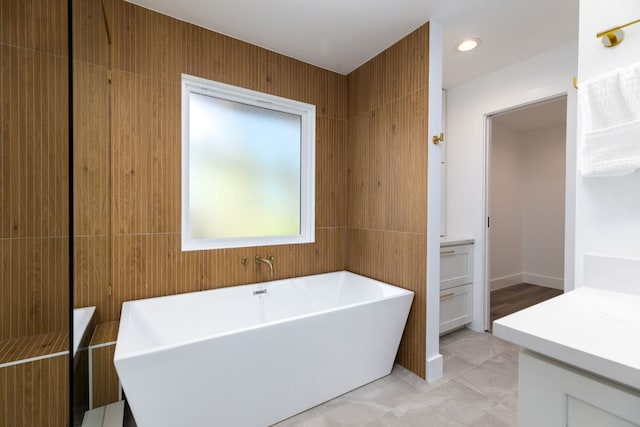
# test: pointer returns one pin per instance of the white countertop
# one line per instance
(454, 241)
(593, 329)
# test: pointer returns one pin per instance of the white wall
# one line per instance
(434, 362)
(527, 207)
(506, 207)
(608, 209)
(543, 198)
(542, 76)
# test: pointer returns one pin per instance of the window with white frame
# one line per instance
(247, 167)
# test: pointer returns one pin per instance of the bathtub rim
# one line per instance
(126, 309)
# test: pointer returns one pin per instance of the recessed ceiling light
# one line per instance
(469, 44)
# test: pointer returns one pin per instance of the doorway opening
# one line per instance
(526, 161)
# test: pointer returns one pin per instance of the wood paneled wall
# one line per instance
(102, 348)
(34, 279)
(92, 155)
(128, 176)
(35, 393)
(106, 386)
(34, 235)
(387, 178)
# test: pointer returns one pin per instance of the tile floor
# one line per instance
(479, 388)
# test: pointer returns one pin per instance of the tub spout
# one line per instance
(268, 260)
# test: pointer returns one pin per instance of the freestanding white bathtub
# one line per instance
(241, 356)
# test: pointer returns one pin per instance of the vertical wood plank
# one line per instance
(387, 178)
(105, 377)
(91, 151)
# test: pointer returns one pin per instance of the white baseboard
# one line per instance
(534, 279)
(505, 281)
(546, 281)
(434, 368)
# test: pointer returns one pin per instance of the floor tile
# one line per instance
(452, 401)
(479, 388)
(496, 378)
(497, 416)
(511, 402)
(454, 365)
(427, 419)
(387, 392)
(473, 347)
(346, 410)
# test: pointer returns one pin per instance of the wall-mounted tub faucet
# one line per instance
(268, 260)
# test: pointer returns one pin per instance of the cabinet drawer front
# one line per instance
(455, 308)
(456, 266)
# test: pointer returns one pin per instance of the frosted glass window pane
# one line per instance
(248, 161)
(244, 170)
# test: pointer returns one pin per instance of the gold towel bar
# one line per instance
(614, 36)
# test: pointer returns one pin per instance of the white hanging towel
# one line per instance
(610, 105)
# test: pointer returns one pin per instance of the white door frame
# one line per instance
(486, 250)
(569, 200)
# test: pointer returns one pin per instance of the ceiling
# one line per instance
(341, 35)
(537, 116)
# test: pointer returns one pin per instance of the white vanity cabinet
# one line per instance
(552, 393)
(579, 366)
(456, 284)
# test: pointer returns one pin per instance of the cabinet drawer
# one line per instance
(456, 266)
(455, 308)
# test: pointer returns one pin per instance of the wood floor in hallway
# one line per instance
(517, 297)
